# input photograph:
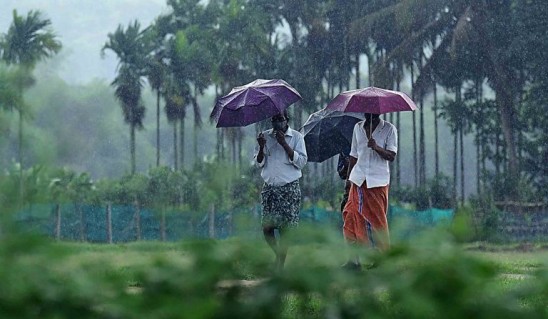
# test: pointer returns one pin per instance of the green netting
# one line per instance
(89, 222)
(406, 223)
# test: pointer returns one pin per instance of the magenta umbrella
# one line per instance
(372, 100)
(253, 102)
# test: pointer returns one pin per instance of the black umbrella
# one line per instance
(328, 133)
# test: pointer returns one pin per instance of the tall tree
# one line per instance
(156, 67)
(29, 40)
(129, 47)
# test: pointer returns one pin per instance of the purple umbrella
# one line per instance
(372, 100)
(253, 102)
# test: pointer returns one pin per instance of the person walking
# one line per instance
(374, 146)
(281, 155)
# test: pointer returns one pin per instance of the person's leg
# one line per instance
(290, 206)
(353, 227)
(283, 247)
(274, 244)
(268, 218)
(270, 238)
(375, 210)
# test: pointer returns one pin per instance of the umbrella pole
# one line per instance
(370, 125)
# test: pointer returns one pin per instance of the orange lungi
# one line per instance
(364, 216)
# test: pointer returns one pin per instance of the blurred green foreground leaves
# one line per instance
(431, 277)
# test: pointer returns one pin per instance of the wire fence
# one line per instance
(126, 223)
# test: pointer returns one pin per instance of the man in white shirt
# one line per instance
(374, 145)
(281, 155)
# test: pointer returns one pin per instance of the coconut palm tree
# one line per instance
(129, 47)
(156, 68)
(463, 26)
(28, 40)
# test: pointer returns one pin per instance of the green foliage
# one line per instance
(431, 277)
(436, 193)
(485, 219)
(29, 40)
(11, 80)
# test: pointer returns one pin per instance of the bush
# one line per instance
(436, 193)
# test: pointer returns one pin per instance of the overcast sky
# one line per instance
(82, 27)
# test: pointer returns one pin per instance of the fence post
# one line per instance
(109, 224)
(163, 225)
(82, 223)
(58, 222)
(137, 219)
(212, 221)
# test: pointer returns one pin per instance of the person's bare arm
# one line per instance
(280, 137)
(262, 142)
(385, 154)
(351, 162)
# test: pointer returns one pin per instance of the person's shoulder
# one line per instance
(296, 133)
(390, 125)
(359, 124)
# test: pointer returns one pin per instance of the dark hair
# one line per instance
(284, 113)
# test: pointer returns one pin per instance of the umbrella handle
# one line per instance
(370, 125)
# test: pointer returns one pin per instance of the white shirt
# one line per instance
(370, 165)
(277, 168)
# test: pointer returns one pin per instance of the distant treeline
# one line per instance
(477, 67)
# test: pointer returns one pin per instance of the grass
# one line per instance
(123, 258)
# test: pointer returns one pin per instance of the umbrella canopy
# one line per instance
(372, 100)
(328, 133)
(254, 102)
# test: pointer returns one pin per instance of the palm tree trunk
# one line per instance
(506, 107)
(497, 154)
(240, 140)
(422, 164)
(357, 69)
(218, 146)
(222, 143)
(458, 128)
(175, 151)
(479, 132)
(182, 142)
(455, 152)
(462, 194)
(478, 169)
(132, 147)
(369, 71)
(398, 170)
(196, 156)
(20, 157)
(415, 168)
(158, 128)
(422, 151)
(436, 147)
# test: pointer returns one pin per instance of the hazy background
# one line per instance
(82, 27)
(77, 123)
